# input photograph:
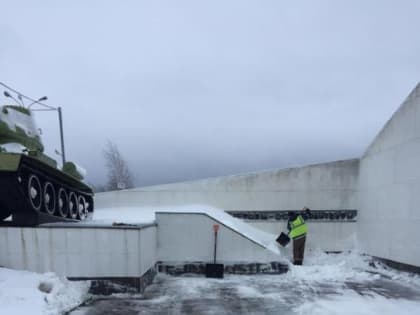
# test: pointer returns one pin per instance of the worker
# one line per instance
(297, 231)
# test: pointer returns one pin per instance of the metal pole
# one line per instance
(60, 118)
(215, 245)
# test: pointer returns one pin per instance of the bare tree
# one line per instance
(119, 175)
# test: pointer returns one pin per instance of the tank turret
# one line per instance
(18, 126)
(32, 189)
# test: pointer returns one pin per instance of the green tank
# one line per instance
(32, 189)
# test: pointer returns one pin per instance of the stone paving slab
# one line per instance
(259, 294)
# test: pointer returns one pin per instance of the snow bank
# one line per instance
(342, 284)
(23, 292)
(140, 215)
(322, 267)
(355, 304)
(351, 267)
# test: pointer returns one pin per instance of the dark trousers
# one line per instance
(298, 250)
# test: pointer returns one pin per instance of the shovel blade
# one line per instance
(214, 270)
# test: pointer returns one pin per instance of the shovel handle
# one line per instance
(215, 229)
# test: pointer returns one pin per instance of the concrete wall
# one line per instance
(325, 236)
(389, 184)
(188, 237)
(384, 185)
(323, 186)
(79, 251)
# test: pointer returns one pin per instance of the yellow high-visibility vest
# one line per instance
(298, 227)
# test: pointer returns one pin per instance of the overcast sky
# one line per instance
(193, 89)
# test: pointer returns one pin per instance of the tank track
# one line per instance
(38, 193)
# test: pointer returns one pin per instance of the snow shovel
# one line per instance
(283, 239)
(215, 270)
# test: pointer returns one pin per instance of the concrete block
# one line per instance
(132, 241)
(148, 249)
(102, 241)
(118, 264)
(403, 243)
(368, 204)
(85, 244)
(75, 252)
(415, 201)
(15, 243)
(4, 254)
(377, 170)
(189, 237)
(75, 265)
(394, 201)
(103, 264)
(407, 160)
(401, 128)
(60, 264)
(133, 265)
(58, 241)
(377, 237)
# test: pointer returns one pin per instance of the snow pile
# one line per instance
(130, 215)
(23, 292)
(353, 303)
(353, 267)
(344, 284)
(322, 267)
(147, 215)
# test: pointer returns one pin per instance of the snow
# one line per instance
(20, 293)
(140, 215)
(336, 271)
(344, 283)
(325, 285)
(355, 304)
(321, 267)
(81, 170)
(14, 119)
(13, 147)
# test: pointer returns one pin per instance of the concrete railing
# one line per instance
(80, 250)
(189, 237)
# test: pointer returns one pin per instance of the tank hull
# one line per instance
(33, 192)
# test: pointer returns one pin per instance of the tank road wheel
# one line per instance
(35, 192)
(49, 198)
(4, 213)
(63, 203)
(89, 205)
(73, 205)
(82, 207)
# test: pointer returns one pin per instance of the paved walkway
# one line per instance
(335, 288)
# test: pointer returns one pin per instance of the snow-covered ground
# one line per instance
(327, 284)
(23, 293)
(343, 284)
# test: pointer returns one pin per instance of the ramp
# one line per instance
(185, 234)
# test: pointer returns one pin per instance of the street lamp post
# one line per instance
(60, 119)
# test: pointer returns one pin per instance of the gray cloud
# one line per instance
(191, 89)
